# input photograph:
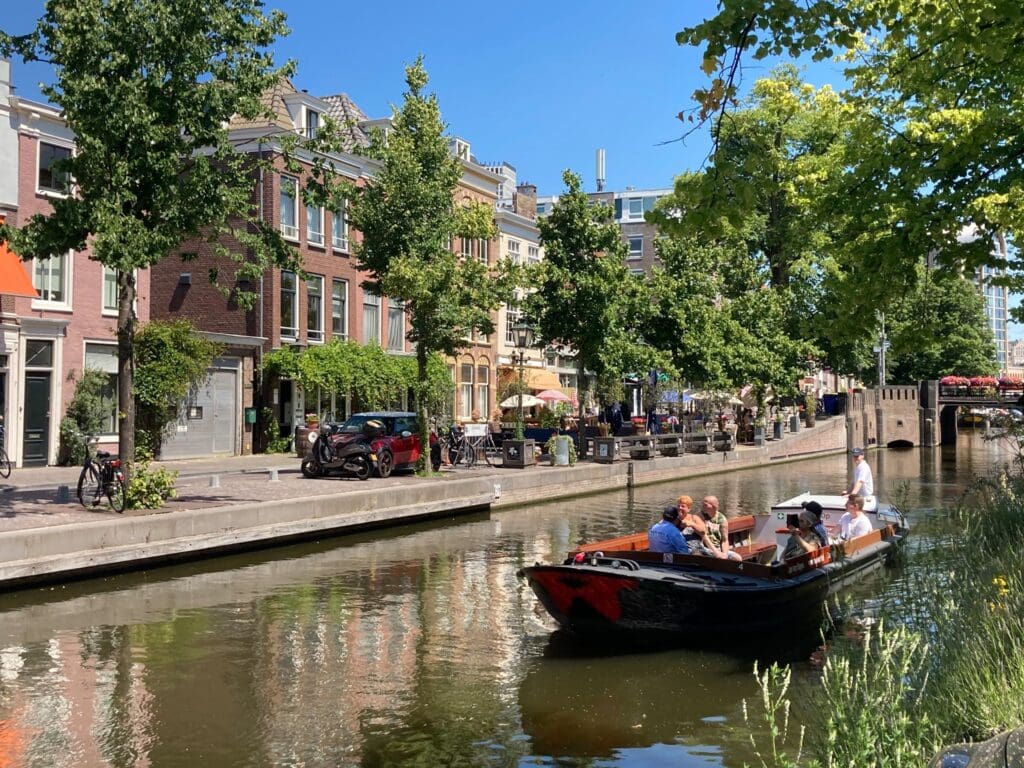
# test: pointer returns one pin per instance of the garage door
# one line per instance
(207, 420)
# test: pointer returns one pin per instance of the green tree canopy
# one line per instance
(936, 90)
(409, 218)
(148, 87)
(586, 298)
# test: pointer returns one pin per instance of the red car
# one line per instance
(398, 444)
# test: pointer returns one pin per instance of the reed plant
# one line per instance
(943, 664)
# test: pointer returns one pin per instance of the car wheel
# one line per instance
(385, 464)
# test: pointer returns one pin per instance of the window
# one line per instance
(483, 390)
(483, 251)
(290, 207)
(339, 228)
(541, 208)
(314, 308)
(396, 325)
(51, 179)
(513, 251)
(103, 358)
(312, 123)
(51, 278)
(638, 272)
(109, 290)
(511, 318)
(467, 248)
(289, 306)
(636, 246)
(371, 318)
(635, 209)
(466, 391)
(532, 254)
(314, 225)
(339, 308)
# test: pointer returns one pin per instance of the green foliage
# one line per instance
(85, 415)
(150, 488)
(586, 299)
(148, 88)
(409, 217)
(365, 371)
(549, 448)
(935, 89)
(273, 440)
(775, 709)
(170, 359)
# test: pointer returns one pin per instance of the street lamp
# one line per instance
(523, 335)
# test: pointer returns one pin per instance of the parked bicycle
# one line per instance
(101, 476)
(5, 462)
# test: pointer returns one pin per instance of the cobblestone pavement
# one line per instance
(29, 498)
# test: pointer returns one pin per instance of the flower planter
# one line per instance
(794, 423)
(758, 435)
(777, 431)
(518, 453)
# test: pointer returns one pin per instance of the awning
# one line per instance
(14, 278)
(535, 378)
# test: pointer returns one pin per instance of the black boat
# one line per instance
(615, 588)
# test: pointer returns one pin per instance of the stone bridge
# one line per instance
(909, 415)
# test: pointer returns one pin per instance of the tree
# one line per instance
(148, 88)
(935, 90)
(409, 217)
(940, 329)
(170, 359)
(586, 299)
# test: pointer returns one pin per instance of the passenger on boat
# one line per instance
(863, 482)
(802, 539)
(718, 528)
(664, 535)
(854, 523)
(695, 531)
(819, 527)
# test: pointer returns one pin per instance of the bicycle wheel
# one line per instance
(468, 453)
(5, 464)
(488, 449)
(89, 486)
(116, 493)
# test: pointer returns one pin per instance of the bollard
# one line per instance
(63, 494)
(497, 490)
(272, 475)
(215, 481)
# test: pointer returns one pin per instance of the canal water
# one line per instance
(416, 647)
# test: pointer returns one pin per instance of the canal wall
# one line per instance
(75, 550)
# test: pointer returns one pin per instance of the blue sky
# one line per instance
(541, 85)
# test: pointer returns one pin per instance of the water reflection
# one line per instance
(416, 646)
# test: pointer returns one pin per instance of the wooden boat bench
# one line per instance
(739, 541)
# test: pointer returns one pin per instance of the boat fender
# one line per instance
(579, 557)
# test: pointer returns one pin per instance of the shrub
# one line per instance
(85, 415)
(150, 488)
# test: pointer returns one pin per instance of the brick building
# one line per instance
(46, 342)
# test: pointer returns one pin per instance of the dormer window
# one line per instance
(312, 123)
(460, 149)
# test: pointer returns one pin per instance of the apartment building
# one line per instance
(629, 206)
(46, 341)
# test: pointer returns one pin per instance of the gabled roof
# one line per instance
(343, 111)
(273, 100)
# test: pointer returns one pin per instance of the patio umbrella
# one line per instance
(554, 396)
(513, 402)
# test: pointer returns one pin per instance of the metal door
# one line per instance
(36, 440)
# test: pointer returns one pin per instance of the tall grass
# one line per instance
(944, 664)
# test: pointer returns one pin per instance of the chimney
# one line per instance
(600, 170)
(525, 202)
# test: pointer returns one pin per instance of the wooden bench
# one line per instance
(739, 540)
(634, 542)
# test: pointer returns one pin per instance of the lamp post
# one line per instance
(523, 334)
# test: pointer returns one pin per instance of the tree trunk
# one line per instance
(126, 321)
(581, 439)
(421, 408)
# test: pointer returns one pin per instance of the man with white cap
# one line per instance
(863, 482)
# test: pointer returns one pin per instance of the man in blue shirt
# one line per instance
(664, 536)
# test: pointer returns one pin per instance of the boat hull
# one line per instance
(600, 600)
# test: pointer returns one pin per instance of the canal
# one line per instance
(412, 647)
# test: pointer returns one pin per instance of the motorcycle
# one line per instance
(348, 455)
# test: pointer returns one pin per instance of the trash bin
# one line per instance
(560, 455)
(302, 441)
(250, 415)
(604, 450)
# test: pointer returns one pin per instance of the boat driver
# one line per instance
(664, 535)
(863, 482)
